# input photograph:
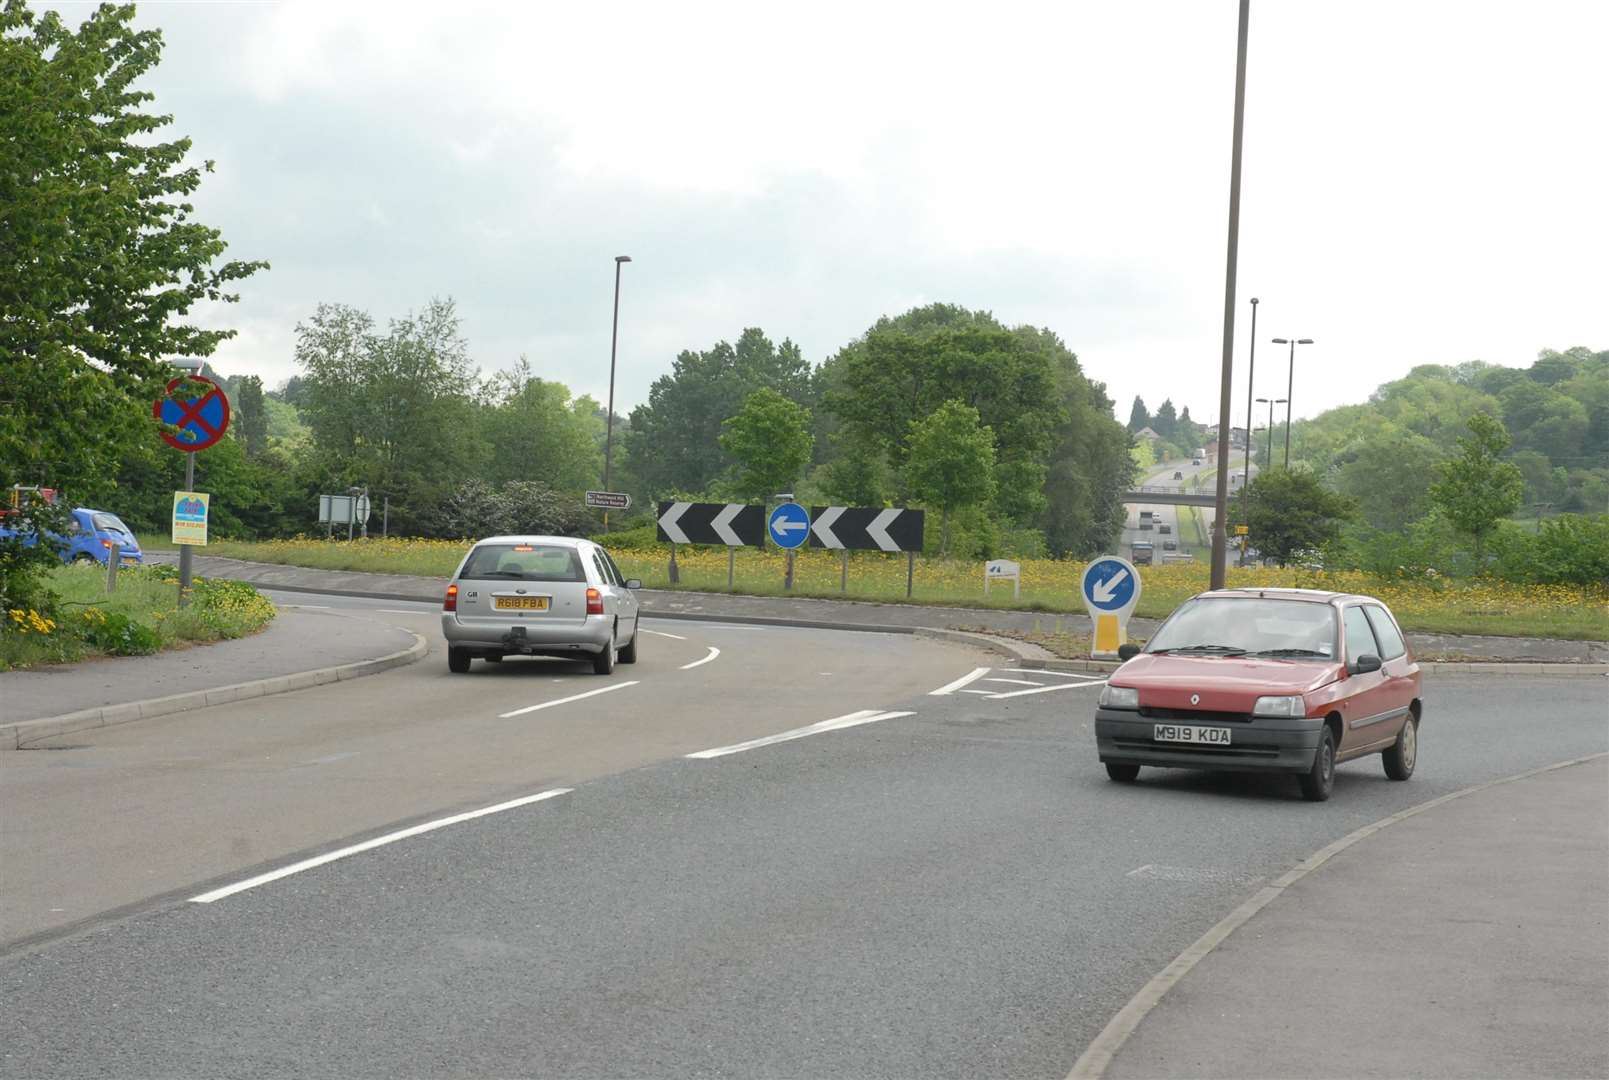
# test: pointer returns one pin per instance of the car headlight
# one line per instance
(1280, 706)
(1119, 697)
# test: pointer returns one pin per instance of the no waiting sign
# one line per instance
(198, 413)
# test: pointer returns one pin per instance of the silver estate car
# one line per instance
(540, 596)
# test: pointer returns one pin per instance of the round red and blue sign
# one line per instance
(199, 421)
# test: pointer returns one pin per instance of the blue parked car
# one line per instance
(94, 535)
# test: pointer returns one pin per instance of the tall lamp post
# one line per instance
(1220, 540)
(1290, 385)
(1271, 403)
(609, 418)
(1251, 375)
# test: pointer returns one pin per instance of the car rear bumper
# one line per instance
(587, 637)
(1265, 744)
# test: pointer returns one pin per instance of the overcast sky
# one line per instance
(1423, 182)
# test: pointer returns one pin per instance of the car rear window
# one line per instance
(109, 523)
(1391, 643)
(524, 562)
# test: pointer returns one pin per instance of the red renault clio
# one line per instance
(1275, 680)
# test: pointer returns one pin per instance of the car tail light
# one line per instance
(106, 544)
(451, 603)
(594, 602)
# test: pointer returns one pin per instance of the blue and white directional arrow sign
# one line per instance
(1111, 588)
(789, 525)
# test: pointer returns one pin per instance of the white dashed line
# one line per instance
(369, 845)
(854, 719)
(950, 688)
(1019, 682)
(567, 700)
(714, 652)
(661, 633)
(1058, 674)
(1047, 689)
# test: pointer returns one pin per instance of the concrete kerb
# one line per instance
(20, 735)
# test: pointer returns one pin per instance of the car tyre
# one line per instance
(458, 661)
(604, 662)
(628, 655)
(1319, 781)
(1123, 774)
(1399, 759)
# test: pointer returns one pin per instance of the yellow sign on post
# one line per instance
(1108, 635)
(190, 517)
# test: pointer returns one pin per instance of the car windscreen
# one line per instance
(109, 523)
(1249, 625)
(524, 562)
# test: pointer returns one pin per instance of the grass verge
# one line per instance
(142, 617)
(1048, 585)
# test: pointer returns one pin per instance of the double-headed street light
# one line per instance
(609, 418)
(1271, 403)
(1290, 385)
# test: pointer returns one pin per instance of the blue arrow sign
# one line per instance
(1109, 584)
(789, 525)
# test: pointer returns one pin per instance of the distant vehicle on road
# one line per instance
(1164, 528)
(1198, 455)
(1170, 545)
(92, 536)
(540, 596)
(1140, 552)
(1277, 680)
(1178, 475)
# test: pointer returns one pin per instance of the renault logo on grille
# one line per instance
(1195, 699)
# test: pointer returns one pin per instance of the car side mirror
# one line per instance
(1128, 651)
(633, 583)
(1366, 663)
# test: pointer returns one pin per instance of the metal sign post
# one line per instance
(789, 528)
(868, 528)
(199, 421)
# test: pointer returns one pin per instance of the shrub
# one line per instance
(116, 634)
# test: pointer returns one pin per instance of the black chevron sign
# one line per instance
(732, 524)
(860, 528)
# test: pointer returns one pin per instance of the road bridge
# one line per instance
(1173, 496)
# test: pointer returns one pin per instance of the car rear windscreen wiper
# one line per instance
(1225, 650)
(1291, 652)
(517, 575)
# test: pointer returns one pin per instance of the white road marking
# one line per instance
(985, 693)
(714, 652)
(566, 700)
(950, 688)
(1019, 682)
(661, 633)
(311, 607)
(423, 609)
(1047, 689)
(854, 719)
(331, 759)
(1061, 674)
(368, 845)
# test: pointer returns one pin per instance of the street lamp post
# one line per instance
(1290, 385)
(1220, 542)
(1251, 374)
(609, 418)
(1271, 403)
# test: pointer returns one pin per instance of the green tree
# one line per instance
(101, 261)
(393, 411)
(252, 415)
(1289, 512)
(1389, 477)
(674, 439)
(1477, 489)
(1166, 421)
(1139, 416)
(770, 441)
(857, 475)
(951, 462)
(536, 432)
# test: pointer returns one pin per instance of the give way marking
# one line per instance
(962, 684)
